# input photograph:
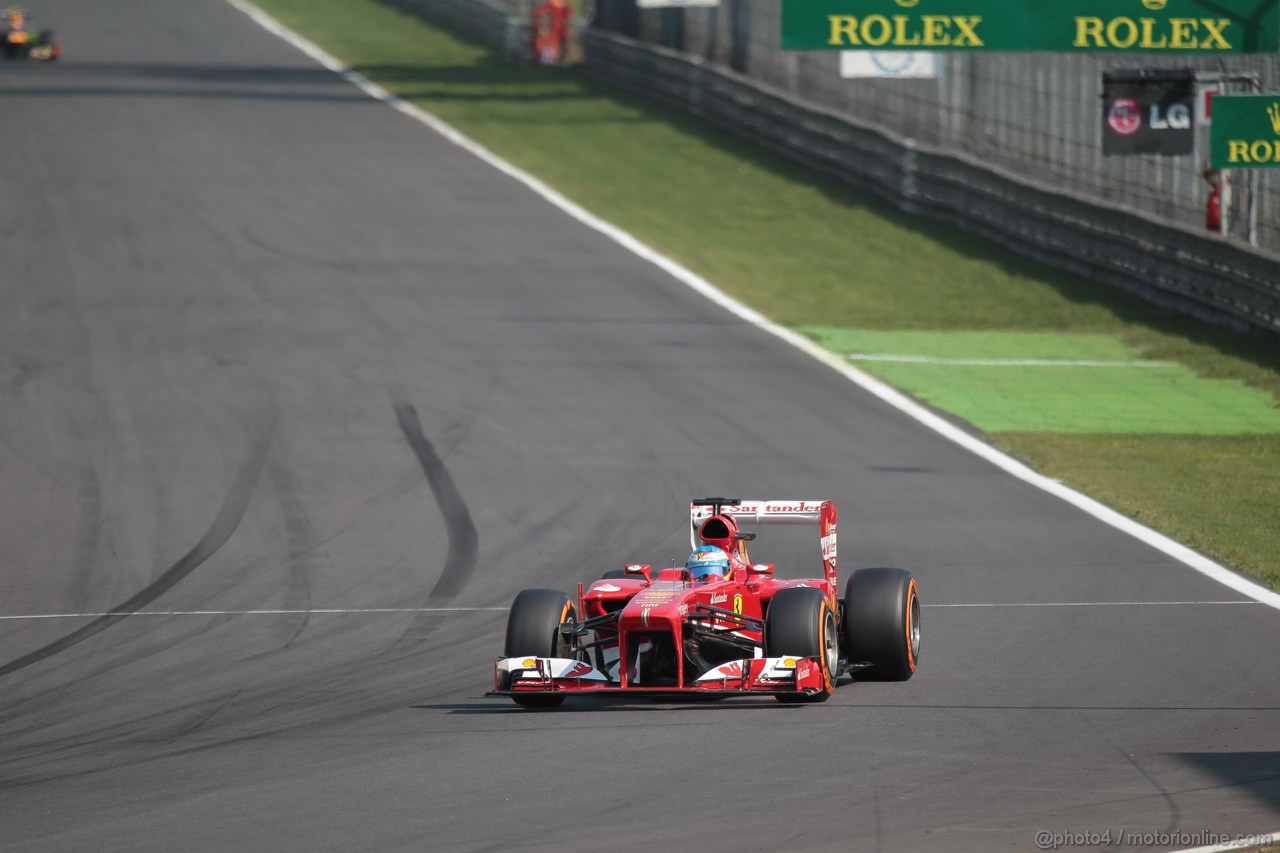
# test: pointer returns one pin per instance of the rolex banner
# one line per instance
(1246, 132)
(1147, 26)
(1148, 112)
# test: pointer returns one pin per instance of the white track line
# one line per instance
(340, 611)
(1001, 362)
(874, 386)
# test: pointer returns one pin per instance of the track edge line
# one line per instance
(1188, 557)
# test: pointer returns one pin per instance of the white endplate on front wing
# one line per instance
(552, 668)
(775, 669)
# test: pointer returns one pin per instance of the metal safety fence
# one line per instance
(504, 24)
(1004, 145)
(1172, 264)
(1036, 114)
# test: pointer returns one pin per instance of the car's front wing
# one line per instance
(774, 675)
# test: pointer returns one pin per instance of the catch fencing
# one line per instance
(1004, 145)
(1036, 114)
(504, 24)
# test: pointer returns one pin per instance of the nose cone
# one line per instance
(655, 608)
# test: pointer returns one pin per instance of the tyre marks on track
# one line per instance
(224, 525)
(464, 541)
(301, 535)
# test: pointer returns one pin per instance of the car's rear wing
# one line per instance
(820, 513)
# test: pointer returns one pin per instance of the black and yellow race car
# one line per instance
(20, 39)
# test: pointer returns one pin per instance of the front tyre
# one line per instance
(882, 623)
(801, 623)
(533, 630)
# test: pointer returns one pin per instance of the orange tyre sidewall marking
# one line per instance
(912, 595)
(564, 616)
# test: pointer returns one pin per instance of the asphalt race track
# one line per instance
(266, 344)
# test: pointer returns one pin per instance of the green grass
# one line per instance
(1228, 510)
(809, 251)
(1073, 383)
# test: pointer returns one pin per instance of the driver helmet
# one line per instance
(708, 563)
(16, 16)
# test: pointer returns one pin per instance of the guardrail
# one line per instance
(491, 21)
(1037, 115)
(1163, 262)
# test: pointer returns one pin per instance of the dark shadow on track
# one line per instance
(229, 82)
(593, 704)
(1067, 707)
(252, 74)
(181, 94)
(1257, 773)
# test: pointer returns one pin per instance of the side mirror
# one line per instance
(761, 569)
(640, 569)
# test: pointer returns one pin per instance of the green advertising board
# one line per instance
(1136, 26)
(1246, 132)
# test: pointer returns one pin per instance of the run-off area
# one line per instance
(1046, 382)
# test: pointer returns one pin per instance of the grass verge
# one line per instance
(809, 251)
(1160, 481)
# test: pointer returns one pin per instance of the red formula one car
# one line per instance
(733, 629)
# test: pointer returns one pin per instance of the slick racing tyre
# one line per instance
(801, 623)
(882, 624)
(533, 630)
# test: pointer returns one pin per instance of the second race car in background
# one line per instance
(19, 38)
(740, 631)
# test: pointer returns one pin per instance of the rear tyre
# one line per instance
(533, 630)
(882, 623)
(800, 622)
